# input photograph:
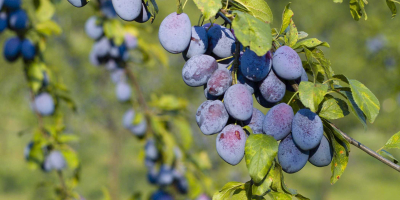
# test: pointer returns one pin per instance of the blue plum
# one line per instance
(321, 155)
(256, 121)
(221, 41)
(290, 157)
(287, 63)
(161, 195)
(278, 121)
(54, 161)
(127, 10)
(211, 117)
(18, 20)
(253, 67)
(175, 32)
(250, 85)
(12, 49)
(239, 102)
(123, 91)
(107, 9)
(12, 4)
(44, 104)
(93, 29)
(260, 99)
(230, 144)
(3, 21)
(151, 150)
(28, 50)
(152, 175)
(165, 176)
(198, 69)
(272, 88)
(198, 43)
(144, 15)
(219, 81)
(307, 129)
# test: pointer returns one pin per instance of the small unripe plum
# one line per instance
(256, 121)
(291, 158)
(221, 41)
(54, 161)
(144, 15)
(102, 47)
(198, 69)
(44, 104)
(230, 144)
(127, 10)
(198, 43)
(219, 82)
(12, 49)
(211, 116)
(278, 121)
(321, 155)
(78, 3)
(307, 129)
(272, 88)
(18, 20)
(92, 29)
(175, 32)
(287, 63)
(239, 102)
(28, 50)
(123, 91)
(253, 67)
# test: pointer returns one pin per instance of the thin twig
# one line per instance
(64, 187)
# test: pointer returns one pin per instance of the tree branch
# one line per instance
(358, 144)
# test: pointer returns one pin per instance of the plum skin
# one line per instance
(253, 67)
(175, 32)
(211, 116)
(198, 43)
(287, 63)
(272, 88)
(256, 121)
(198, 69)
(239, 102)
(307, 129)
(278, 121)
(290, 157)
(219, 82)
(321, 155)
(230, 144)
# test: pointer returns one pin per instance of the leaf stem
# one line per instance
(224, 58)
(328, 80)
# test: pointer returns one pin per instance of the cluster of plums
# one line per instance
(229, 106)
(54, 160)
(16, 19)
(163, 175)
(128, 10)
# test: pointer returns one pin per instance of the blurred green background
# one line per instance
(366, 50)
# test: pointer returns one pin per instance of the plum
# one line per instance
(92, 29)
(278, 121)
(152, 175)
(256, 121)
(130, 41)
(253, 67)
(161, 195)
(250, 85)
(165, 176)
(304, 77)
(44, 104)
(28, 50)
(260, 99)
(287, 63)
(221, 41)
(219, 82)
(102, 47)
(140, 128)
(118, 75)
(307, 129)
(123, 91)
(239, 102)
(12, 4)
(12, 49)
(230, 144)
(127, 10)
(272, 88)
(290, 157)
(198, 69)
(107, 9)
(27, 150)
(54, 161)
(78, 3)
(3, 21)
(321, 155)
(175, 32)
(144, 15)
(198, 43)
(127, 120)
(211, 117)
(151, 150)
(18, 20)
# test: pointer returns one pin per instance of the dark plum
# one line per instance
(107, 9)
(144, 15)
(28, 50)
(12, 49)
(278, 121)
(211, 116)
(3, 21)
(12, 4)
(272, 88)
(161, 195)
(198, 69)
(230, 144)
(152, 175)
(256, 121)
(221, 41)
(18, 20)
(151, 150)
(219, 82)
(198, 43)
(260, 99)
(253, 67)
(307, 129)
(78, 3)
(239, 102)
(290, 157)
(165, 176)
(250, 85)
(127, 10)
(175, 32)
(321, 155)
(287, 63)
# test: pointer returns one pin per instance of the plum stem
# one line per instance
(297, 92)
(358, 144)
(222, 59)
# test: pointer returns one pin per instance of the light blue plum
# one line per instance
(127, 10)
(290, 157)
(256, 121)
(239, 102)
(93, 29)
(123, 91)
(287, 63)
(54, 161)
(272, 88)
(307, 129)
(175, 32)
(230, 144)
(278, 121)
(321, 155)
(44, 104)
(198, 43)
(211, 117)
(198, 69)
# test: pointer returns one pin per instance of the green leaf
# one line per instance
(114, 29)
(195, 187)
(310, 43)
(70, 156)
(388, 155)
(252, 32)
(338, 1)
(256, 8)
(292, 34)
(262, 188)
(279, 196)
(106, 194)
(209, 8)
(286, 18)
(340, 154)
(67, 99)
(48, 28)
(318, 56)
(333, 108)
(227, 190)
(312, 94)
(355, 9)
(393, 142)
(302, 35)
(260, 152)
(35, 75)
(355, 109)
(392, 7)
(44, 10)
